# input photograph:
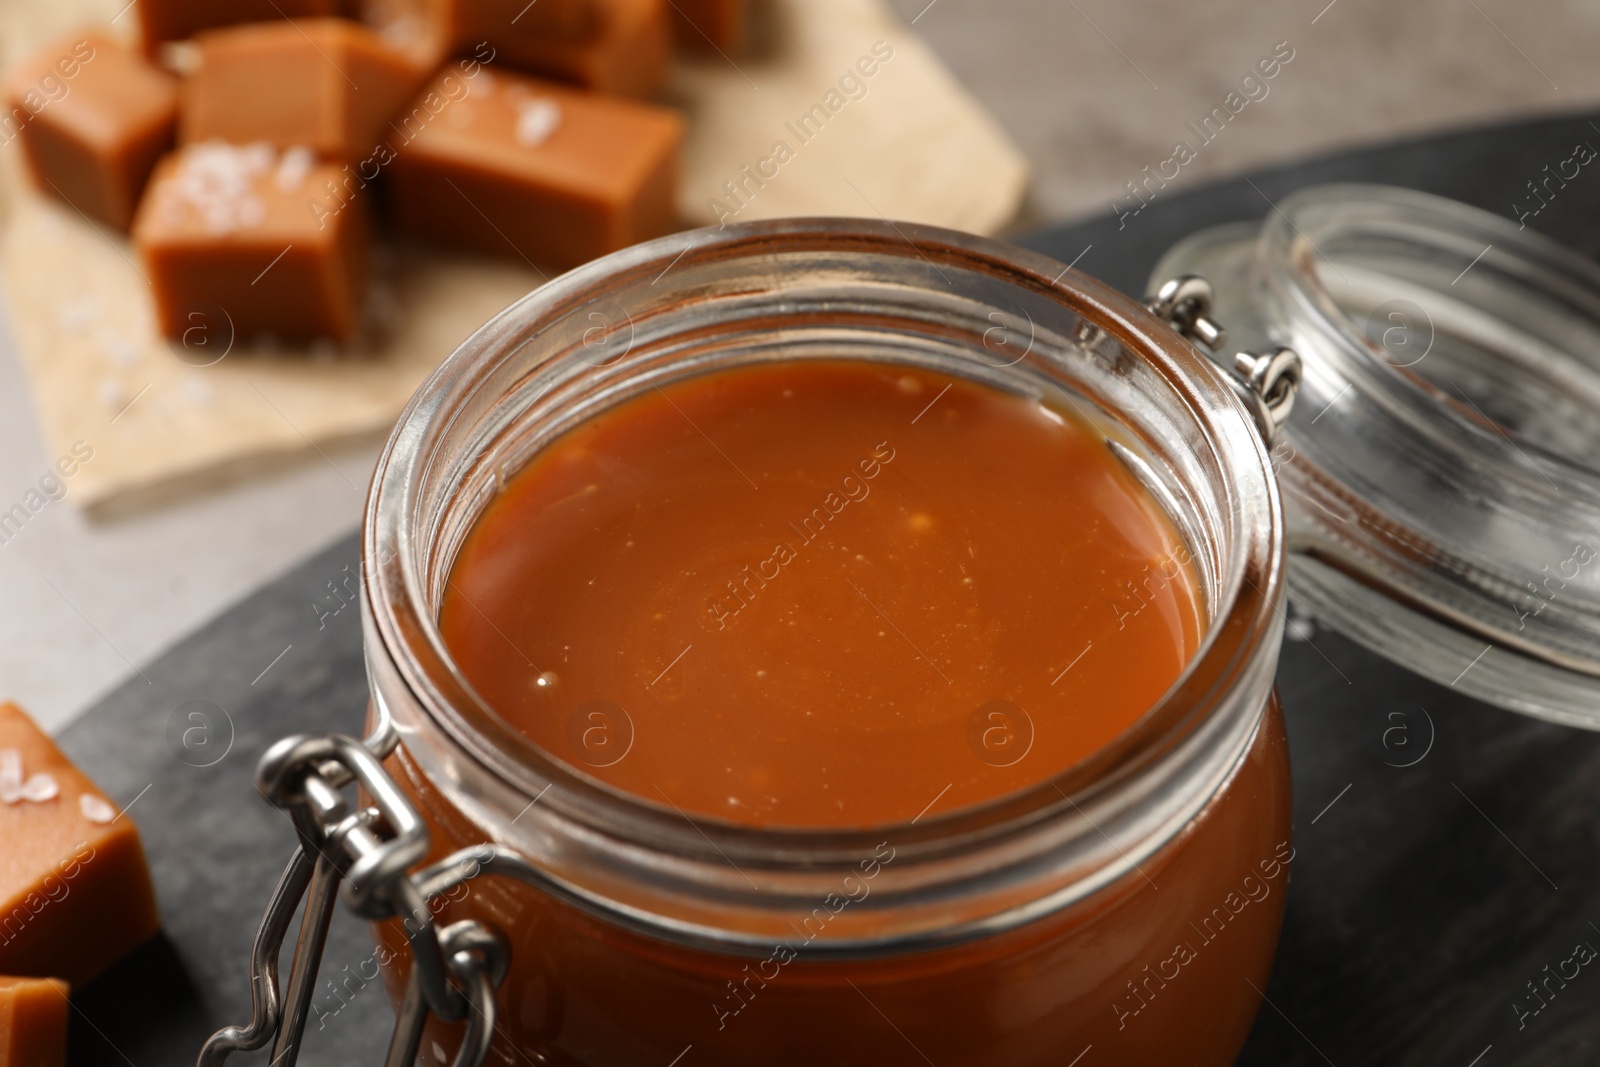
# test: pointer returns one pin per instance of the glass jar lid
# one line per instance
(1441, 466)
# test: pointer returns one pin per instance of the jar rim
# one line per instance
(1207, 717)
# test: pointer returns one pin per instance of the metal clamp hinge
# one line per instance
(1266, 382)
(455, 970)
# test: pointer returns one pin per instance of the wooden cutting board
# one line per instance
(906, 142)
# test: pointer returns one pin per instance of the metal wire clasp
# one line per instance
(454, 971)
(1265, 381)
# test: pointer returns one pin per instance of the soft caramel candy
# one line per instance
(93, 118)
(626, 53)
(329, 84)
(75, 894)
(709, 25)
(237, 243)
(527, 168)
(174, 20)
(33, 1022)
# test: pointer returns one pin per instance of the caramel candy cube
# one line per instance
(93, 118)
(710, 25)
(75, 894)
(174, 20)
(626, 54)
(528, 168)
(250, 241)
(33, 1022)
(329, 84)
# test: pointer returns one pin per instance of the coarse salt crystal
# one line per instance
(79, 314)
(537, 121)
(216, 183)
(13, 788)
(118, 349)
(112, 395)
(96, 810)
(294, 168)
(199, 391)
(1301, 625)
(10, 775)
(259, 156)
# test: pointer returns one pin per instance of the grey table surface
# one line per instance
(1424, 897)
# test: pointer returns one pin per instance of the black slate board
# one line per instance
(1424, 897)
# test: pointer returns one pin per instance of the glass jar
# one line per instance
(1124, 911)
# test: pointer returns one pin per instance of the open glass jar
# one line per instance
(1023, 931)
(1441, 505)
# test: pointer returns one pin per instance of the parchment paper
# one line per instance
(904, 142)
